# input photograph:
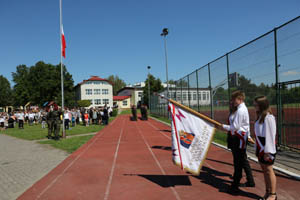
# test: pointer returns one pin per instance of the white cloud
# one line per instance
(290, 73)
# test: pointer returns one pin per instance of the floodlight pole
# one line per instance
(164, 34)
(149, 99)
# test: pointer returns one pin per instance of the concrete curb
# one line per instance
(280, 169)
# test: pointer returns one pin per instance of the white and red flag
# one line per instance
(63, 42)
(191, 138)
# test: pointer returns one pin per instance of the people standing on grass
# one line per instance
(265, 133)
(86, 118)
(2, 121)
(239, 127)
(21, 118)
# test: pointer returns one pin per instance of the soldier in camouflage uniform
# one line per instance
(53, 121)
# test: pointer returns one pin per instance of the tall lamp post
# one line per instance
(164, 33)
(149, 99)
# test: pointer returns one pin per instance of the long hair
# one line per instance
(264, 108)
(232, 108)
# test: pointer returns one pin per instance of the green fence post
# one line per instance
(278, 96)
(197, 91)
(188, 93)
(227, 63)
(211, 95)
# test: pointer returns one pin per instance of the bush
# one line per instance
(114, 112)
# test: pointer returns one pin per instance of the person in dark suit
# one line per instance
(105, 115)
(133, 112)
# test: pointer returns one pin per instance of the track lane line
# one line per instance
(71, 163)
(157, 162)
(114, 164)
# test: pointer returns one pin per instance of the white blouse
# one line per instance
(267, 130)
(239, 121)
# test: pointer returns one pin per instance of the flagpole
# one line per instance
(192, 111)
(61, 70)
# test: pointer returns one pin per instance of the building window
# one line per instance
(195, 96)
(140, 94)
(184, 96)
(104, 91)
(199, 95)
(178, 96)
(124, 103)
(189, 96)
(91, 101)
(204, 96)
(97, 101)
(105, 101)
(97, 82)
(88, 91)
(173, 95)
(97, 91)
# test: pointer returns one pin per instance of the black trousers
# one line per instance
(21, 123)
(67, 121)
(241, 162)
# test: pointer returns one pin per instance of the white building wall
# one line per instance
(204, 97)
(138, 94)
(93, 86)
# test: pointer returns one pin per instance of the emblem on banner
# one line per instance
(186, 139)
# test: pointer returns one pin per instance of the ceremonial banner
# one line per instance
(191, 138)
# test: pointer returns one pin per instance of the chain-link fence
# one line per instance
(268, 65)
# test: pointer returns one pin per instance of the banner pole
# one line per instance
(192, 111)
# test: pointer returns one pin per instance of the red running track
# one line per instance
(132, 160)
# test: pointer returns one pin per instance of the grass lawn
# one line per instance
(128, 111)
(161, 118)
(70, 145)
(36, 132)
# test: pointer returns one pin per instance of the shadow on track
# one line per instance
(162, 148)
(209, 176)
(166, 180)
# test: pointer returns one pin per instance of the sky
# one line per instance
(122, 37)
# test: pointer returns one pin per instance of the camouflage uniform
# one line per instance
(53, 121)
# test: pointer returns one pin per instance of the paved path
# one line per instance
(22, 163)
(132, 161)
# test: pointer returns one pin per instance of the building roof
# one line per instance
(129, 88)
(94, 78)
(120, 98)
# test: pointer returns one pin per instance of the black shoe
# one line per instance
(233, 190)
(49, 137)
(247, 184)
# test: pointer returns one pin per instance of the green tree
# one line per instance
(41, 83)
(22, 87)
(5, 92)
(117, 83)
(83, 103)
(155, 86)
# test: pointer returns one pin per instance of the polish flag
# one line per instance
(63, 43)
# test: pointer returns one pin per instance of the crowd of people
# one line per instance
(72, 117)
(30, 117)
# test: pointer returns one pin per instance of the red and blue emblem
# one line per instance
(186, 139)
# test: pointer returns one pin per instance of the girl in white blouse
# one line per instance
(265, 133)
